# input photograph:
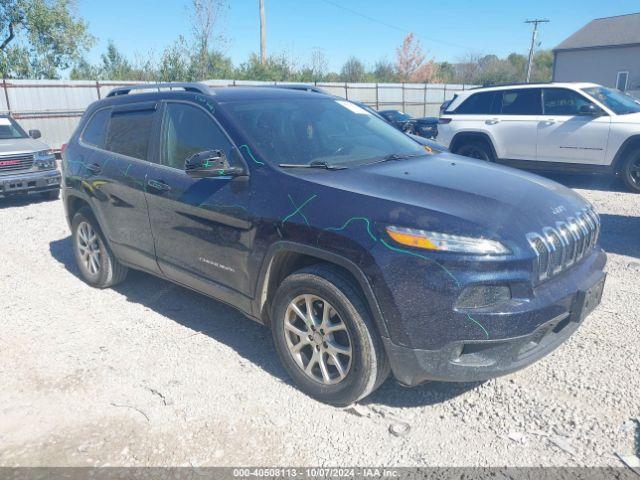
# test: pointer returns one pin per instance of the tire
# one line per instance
(631, 171)
(52, 194)
(97, 263)
(477, 149)
(366, 367)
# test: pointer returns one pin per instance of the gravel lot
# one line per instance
(150, 373)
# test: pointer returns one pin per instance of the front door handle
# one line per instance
(492, 121)
(159, 185)
(94, 168)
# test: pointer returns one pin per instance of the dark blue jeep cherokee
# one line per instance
(363, 251)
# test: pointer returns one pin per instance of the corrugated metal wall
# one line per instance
(55, 106)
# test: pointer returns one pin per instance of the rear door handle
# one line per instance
(159, 185)
(492, 121)
(94, 168)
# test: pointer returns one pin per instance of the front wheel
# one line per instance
(631, 171)
(325, 337)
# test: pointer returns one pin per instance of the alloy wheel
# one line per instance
(318, 339)
(89, 248)
(634, 172)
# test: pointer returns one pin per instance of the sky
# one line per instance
(447, 29)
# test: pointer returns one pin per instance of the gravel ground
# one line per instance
(150, 373)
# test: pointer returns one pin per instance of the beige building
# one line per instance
(605, 51)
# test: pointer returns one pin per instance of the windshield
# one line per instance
(619, 102)
(302, 131)
(9, 129)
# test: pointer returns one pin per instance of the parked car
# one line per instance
(424, 127)
(363, 253)
(26, 164)
(431, 144)
(566, 127)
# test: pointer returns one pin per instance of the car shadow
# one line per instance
(22, 200)
(605, 183)
(619, 234)
(252, 341)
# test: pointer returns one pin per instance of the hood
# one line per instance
(455, 194)
(21, 145)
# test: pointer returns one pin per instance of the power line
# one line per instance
(389, 25)
(532, 50)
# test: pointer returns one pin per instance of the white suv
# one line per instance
(577, 127)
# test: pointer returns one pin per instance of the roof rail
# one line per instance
(186, 86)
(514, 84)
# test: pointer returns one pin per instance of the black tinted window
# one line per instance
(95, 132)
(130, 132)
(559, 101)
(525, 101)
(188, 130)
(478, 103)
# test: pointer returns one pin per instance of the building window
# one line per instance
(621, 81)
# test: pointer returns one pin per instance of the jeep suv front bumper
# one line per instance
(478, 360)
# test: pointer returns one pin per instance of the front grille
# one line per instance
(565, 244)
(14, 163)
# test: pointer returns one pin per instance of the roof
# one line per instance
(605, 32)
(572, 85)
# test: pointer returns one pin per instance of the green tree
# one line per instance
(353, 71)
(446, 72)
(542, 66)
(384, 71)
(38, 38)
(276, 68)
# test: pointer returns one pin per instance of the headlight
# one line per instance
(444, 242)
(45, 159)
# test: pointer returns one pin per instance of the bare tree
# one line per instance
(205, 15)
(469, 68)
(319, 64)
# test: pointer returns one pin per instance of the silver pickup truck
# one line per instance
(26, 164)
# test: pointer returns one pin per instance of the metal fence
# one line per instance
(55, 106)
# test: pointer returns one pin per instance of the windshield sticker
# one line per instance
(5, 122)
(352, 107)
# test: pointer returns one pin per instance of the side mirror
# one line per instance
(35, 134)
(591, 110)
(210, 163)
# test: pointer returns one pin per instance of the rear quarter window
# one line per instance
(95, 132)
(478, 103)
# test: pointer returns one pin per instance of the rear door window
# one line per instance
(478, 103)
(130, 132)
(522, 101)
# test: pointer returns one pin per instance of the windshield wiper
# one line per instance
(314, 164)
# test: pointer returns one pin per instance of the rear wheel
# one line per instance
(325, 337)
(98, 266)
(631, 171)
(478, 149)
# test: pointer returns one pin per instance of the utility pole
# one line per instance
(532, 50)
(263, 34)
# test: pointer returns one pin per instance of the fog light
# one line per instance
(479, 296)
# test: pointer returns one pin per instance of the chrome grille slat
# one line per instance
(560, 246)
(18, 162)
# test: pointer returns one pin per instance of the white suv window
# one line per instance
(562, 101)
(521, 101)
